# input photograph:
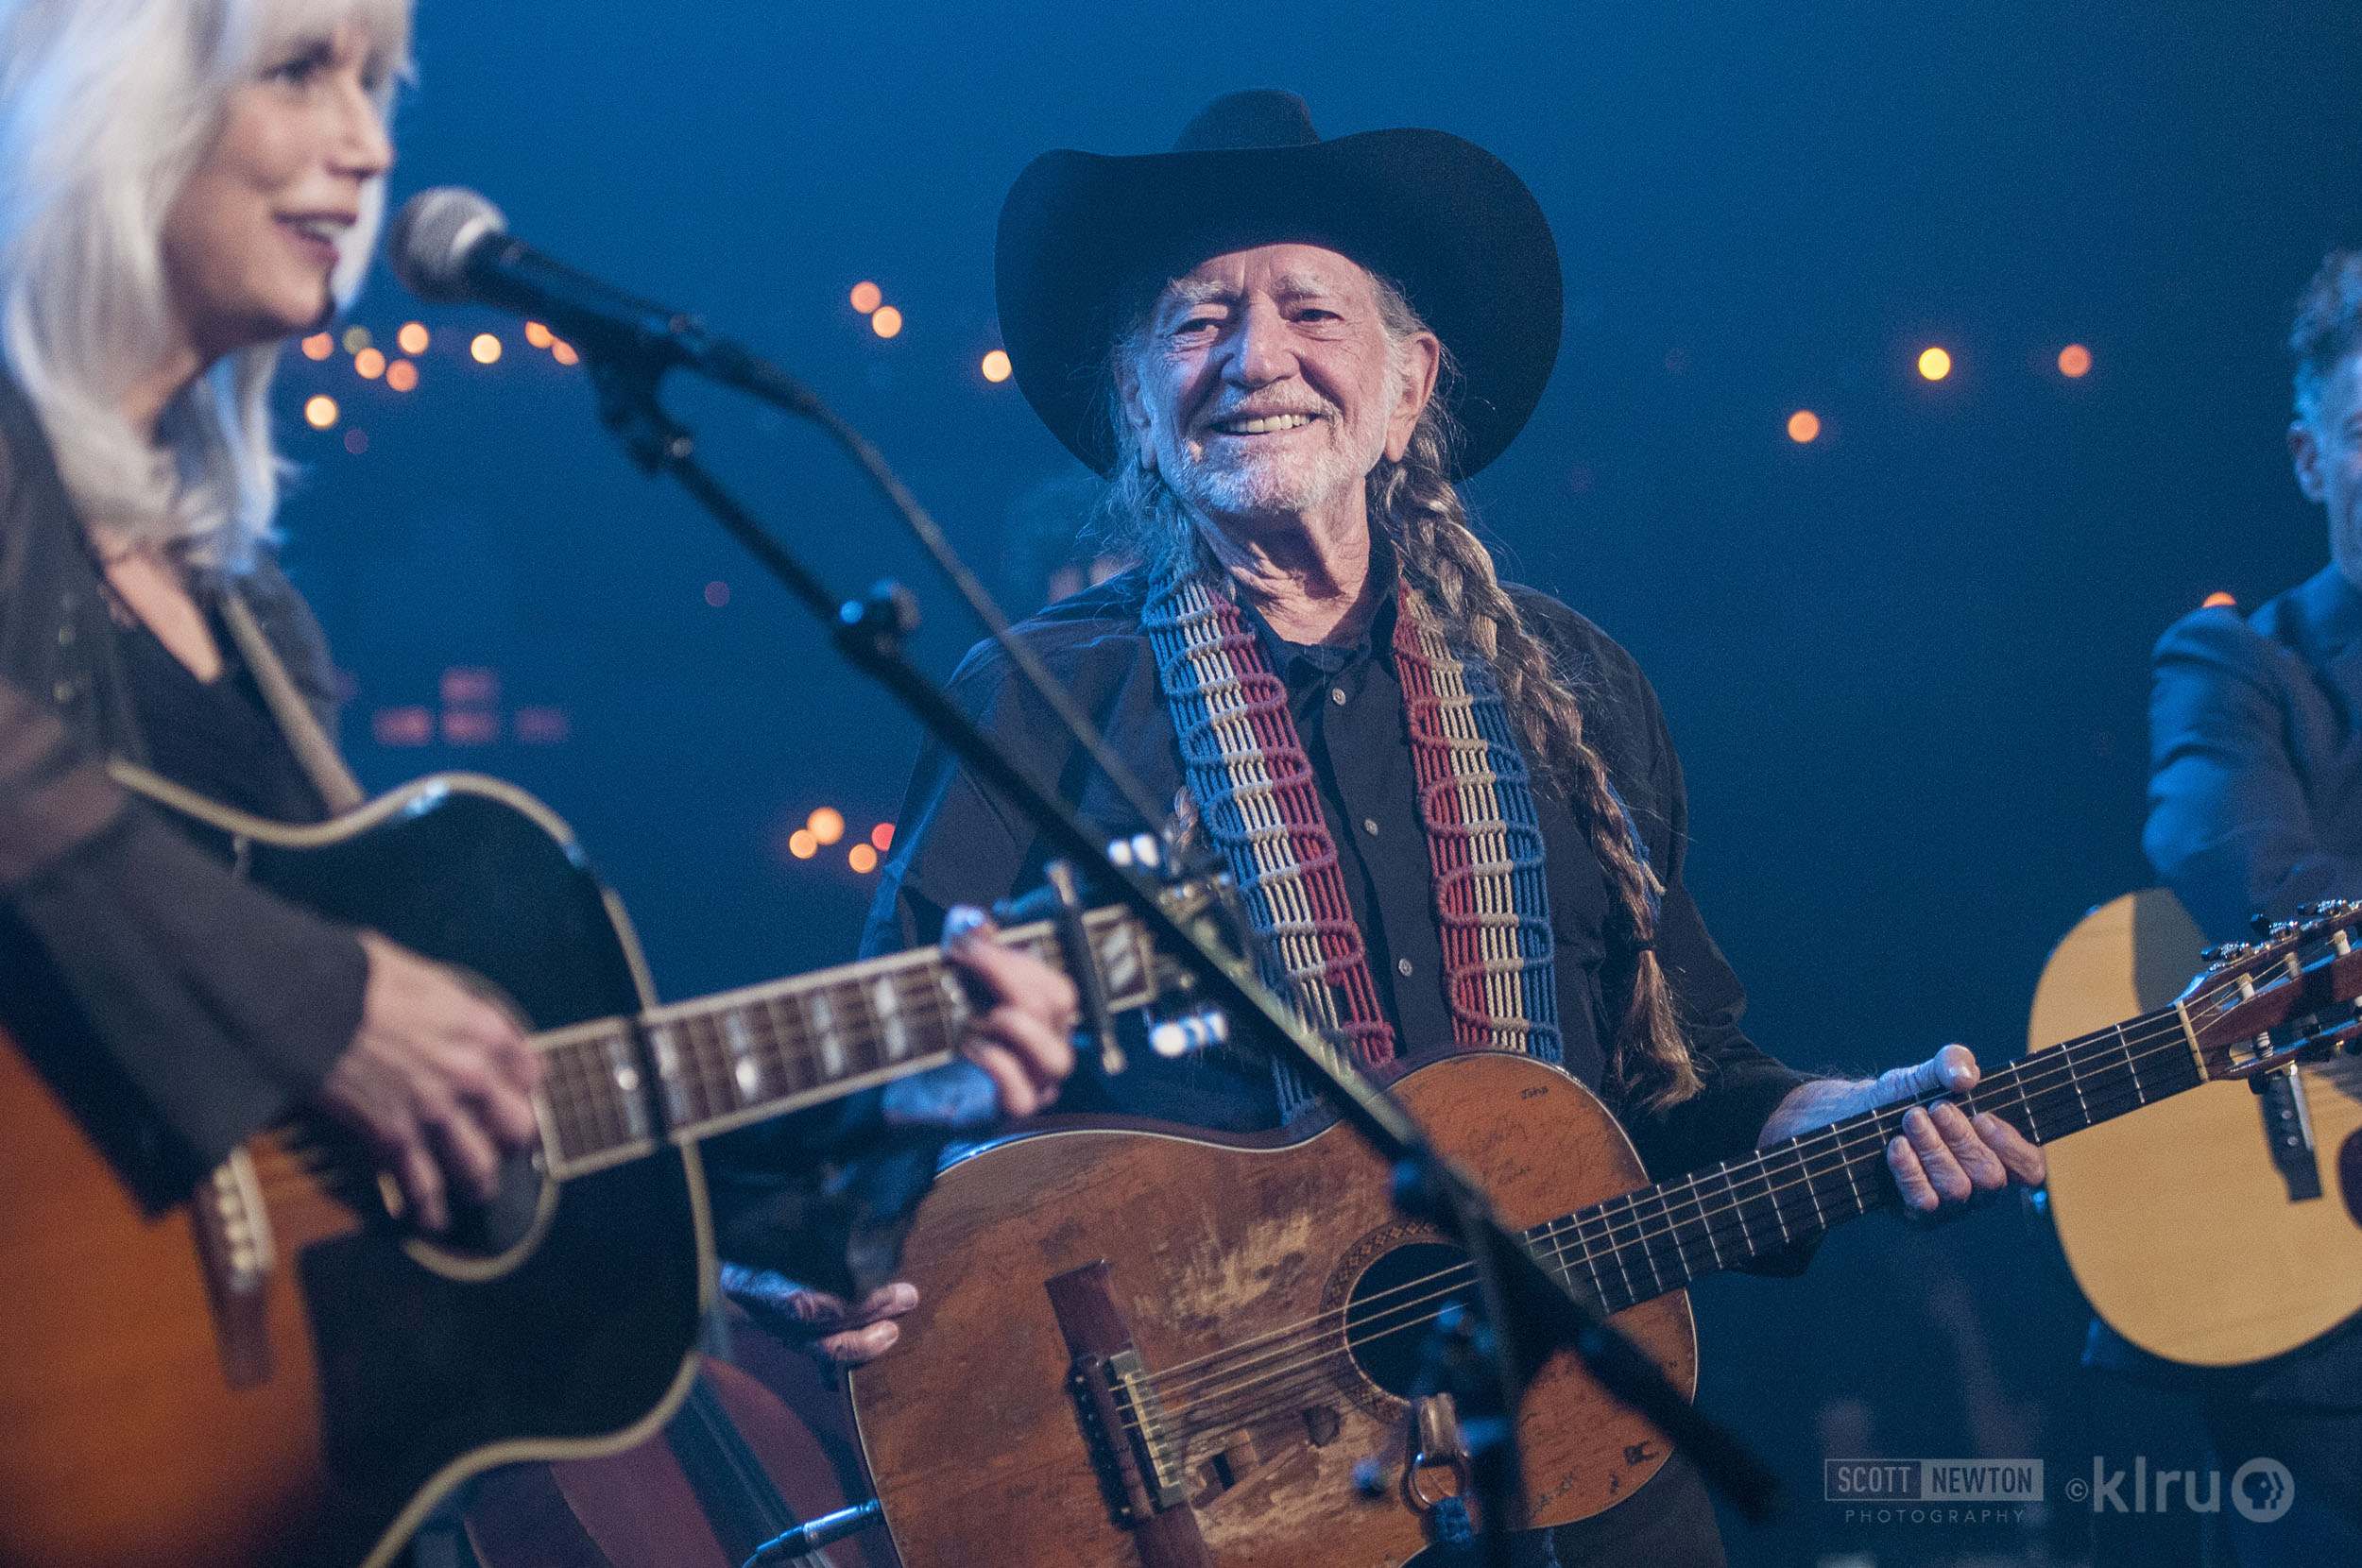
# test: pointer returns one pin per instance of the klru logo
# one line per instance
(2261, 1490)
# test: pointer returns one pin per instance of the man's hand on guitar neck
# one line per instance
(438, 1079)
(1944, 1157)
(1018, 1053)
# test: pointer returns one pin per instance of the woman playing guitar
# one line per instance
(184, 185)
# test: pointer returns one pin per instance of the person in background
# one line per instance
(2256, 807)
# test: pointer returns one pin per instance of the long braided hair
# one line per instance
(1414, 504)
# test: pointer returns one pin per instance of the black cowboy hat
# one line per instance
(1438, 215)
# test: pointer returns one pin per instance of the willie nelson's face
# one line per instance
(1267, 386)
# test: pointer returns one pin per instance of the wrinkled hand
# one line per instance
(1018, 1053)
(439, 1080)
(1944, 1157)
(827, 1326)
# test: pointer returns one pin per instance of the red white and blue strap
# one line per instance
(1248, 768)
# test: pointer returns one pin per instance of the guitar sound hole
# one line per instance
(1392, 1309)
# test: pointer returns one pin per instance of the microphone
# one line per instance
(451, 246)
(808, 1537)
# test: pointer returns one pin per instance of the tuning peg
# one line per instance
(1140, 849)
(2228, 952)
(1191, 1032)
(2261, 925)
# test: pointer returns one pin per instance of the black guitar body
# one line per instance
(562, 1314)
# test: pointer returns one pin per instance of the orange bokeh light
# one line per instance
(539, 335)
(412, 337)
(2074, 361)
(319, 346)
(563, 352)
(401, 375)
(1935, 364)
(1803, 426)
(868, 297)
(320, 412)
(486, 348)
(882, 837)
(885, 321)
(801, 845)
(2219, 601)
(996, 365)
(370, 363)
(827, 825)
(861, 859)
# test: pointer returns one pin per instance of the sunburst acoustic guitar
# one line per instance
(1146, 1346)
(2225, 1227)
(277, 1371)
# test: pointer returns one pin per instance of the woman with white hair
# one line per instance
(183, 185)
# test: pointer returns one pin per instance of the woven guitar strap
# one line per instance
(1247, 766)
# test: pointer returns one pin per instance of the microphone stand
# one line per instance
(1530, 1309)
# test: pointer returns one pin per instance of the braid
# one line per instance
(1416, 504)
(1445, 563)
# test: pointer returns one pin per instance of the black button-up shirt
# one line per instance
(956, 843)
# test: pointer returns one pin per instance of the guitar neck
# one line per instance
(614, 1088)
(1660, 1238)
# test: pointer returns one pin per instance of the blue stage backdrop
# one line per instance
(1906, 660)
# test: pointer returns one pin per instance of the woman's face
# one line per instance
(253, 238)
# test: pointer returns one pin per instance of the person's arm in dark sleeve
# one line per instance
(2229, 825)
(221, 1004)
(1740, 1083)
(1743, 1083)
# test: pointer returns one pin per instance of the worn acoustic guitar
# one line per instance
(277, 1371)
(2226, 1227)
(1143, 1344)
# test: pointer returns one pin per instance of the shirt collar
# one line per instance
(1330, 658)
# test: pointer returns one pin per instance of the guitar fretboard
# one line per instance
(615, 1086)
(1660, 1238)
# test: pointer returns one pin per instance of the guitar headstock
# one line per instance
(1131, 971)
(2289, 995)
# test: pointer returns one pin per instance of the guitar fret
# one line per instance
(631, 1110)
(885, 1005)
(746, 1071)
(822, 1018)
(664, 1046)
(1812, 1191)
(1739, 1212)
(783, 1020)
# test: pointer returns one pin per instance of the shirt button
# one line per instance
(1337, 696)
(1369, 826)
(65, 636)
(1402, 967)
(64, 691)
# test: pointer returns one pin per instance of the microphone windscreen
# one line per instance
(432, 236)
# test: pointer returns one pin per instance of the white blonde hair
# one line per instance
(107, 107)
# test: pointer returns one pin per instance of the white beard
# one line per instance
(1261, 485)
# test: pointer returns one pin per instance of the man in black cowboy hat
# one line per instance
(1451, 806)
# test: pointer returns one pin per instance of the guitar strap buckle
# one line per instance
(1437, 1444)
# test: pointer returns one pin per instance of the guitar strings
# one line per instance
(1224, 1408)
(1393, 1316)
(1840, 1137)
(1803, 1153)
(586, 1101)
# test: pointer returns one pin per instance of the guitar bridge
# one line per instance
(1136, 1451)
(1116, 1392)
